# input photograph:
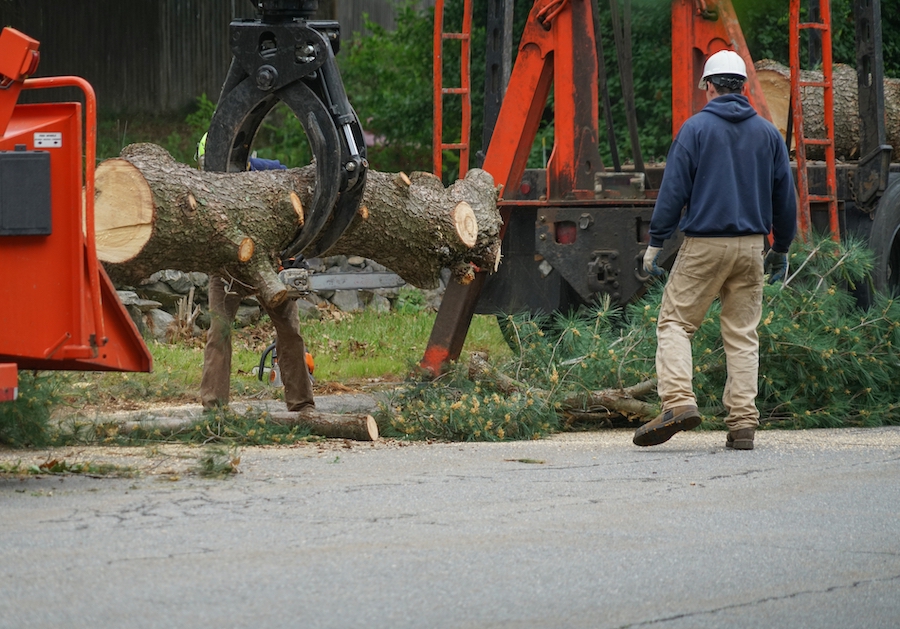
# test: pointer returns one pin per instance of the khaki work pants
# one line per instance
(732, 269)
(215, 383)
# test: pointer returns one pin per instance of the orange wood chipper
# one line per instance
(58, 308)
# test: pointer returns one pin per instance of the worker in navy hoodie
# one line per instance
(727, 185)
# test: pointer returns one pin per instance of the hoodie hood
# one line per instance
(731, 107)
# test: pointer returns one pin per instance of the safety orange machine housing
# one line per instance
(58, 308)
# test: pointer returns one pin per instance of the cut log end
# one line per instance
(245, 249)
(298, 208)
(123, 211)
(371, 428)
(465, 223)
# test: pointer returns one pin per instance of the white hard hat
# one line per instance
(723, 62)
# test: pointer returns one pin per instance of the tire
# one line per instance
(884, 241)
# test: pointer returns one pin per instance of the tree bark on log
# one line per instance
(329, 425)
(775, 81)
(332, 426)
(154, 213)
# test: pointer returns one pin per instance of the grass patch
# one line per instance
(383, 346)
(175, 379)
(347, 348)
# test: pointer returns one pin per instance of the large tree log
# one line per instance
(775, 80)
(154, 213)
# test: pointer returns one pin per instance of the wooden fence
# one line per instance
(152, 56)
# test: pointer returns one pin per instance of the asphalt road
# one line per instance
(581, 530)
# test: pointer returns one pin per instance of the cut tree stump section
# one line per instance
(332, 426)
(775, 81)
(154, 213)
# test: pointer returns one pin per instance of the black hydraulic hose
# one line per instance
(604, 90)
(623, 50)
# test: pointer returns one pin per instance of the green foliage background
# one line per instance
(388, 74)
(388, 78)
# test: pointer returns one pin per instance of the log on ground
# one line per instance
(603, 403)
(331, 425)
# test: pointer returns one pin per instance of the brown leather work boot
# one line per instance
(670, 421)
(740, 439)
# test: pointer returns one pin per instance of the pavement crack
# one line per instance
(808, 549)
(767, 599)
(164, 557)
(736, 474)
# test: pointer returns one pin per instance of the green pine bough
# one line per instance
(824, 362)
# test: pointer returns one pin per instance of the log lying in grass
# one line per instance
(599, 404)
(620, 401)
(775, 81)
(154, 213)
(332, 426)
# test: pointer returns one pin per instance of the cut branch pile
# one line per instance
(824, 362)
(594, 404)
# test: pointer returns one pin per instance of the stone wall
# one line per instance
(158, 302)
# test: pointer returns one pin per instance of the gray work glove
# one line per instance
(650, 258)
(775, 265)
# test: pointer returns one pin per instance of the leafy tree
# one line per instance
(388, 75)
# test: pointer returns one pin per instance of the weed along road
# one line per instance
(580, 530)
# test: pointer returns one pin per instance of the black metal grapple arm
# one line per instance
(282, 56)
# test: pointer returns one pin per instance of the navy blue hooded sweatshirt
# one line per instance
(728, 169)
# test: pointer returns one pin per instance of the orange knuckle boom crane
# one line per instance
(576, 230)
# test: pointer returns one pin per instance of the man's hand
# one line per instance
(775, 265)
(650, 257)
